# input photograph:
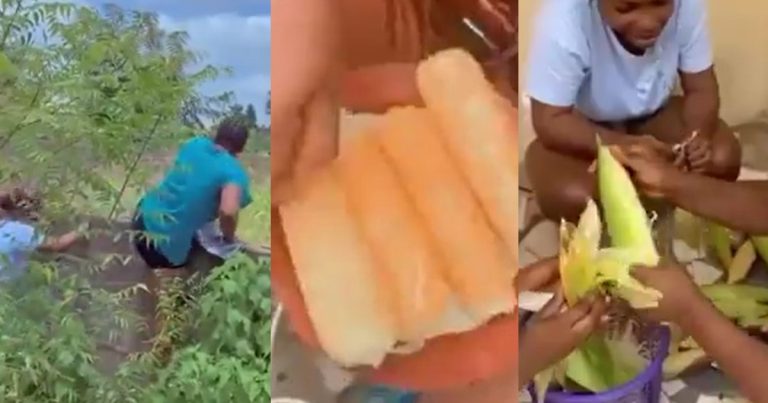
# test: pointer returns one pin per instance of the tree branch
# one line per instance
(133, 167)
(9, 27)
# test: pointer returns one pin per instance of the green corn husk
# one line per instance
(745, 304)
(761, 246)
(719, 238)
(578, 251)
(741, 263)
(606, 360)
(626, 218)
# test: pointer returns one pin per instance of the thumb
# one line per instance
(625, 157)
(588, 323)
(584, 317)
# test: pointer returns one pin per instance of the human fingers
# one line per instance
(593, 319)
(680, 160)
(699, 162)
(554, 306)
(631, 156)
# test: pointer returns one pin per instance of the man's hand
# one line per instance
(677, 287)
(650, 170)
(698, 154)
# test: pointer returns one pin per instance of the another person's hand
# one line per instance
(556, 331)
(497, 19)
(698, 154)
(650, 170)
(677, 288)
(652, 147)
(538, 349)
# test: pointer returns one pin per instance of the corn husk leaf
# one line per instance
(625, 217)
(741, 263)
(613, 267)
(605, 362)
(578, 249)
(719, 238)
(761, 246)
(689, 229)
(746, 304)
(542, 381)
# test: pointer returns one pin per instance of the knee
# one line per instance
(565, 202)
(559, 195)
(726, 155)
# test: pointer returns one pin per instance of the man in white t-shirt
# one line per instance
(609, 67)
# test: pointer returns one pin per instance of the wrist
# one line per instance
(695, 313)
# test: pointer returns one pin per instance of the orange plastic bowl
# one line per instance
(445, 362)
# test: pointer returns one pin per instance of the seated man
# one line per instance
(206, 182)
(608, 67)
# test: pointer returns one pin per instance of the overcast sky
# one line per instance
(233, 33)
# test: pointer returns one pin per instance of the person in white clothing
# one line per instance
(19, 236)
(608, 68)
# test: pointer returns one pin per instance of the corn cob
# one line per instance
(625, 216)
(605, 360)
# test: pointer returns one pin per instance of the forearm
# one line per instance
(740, 358)
(61, 243)
(700, 112)
(375, 89)
(573, 133)
(740, 205)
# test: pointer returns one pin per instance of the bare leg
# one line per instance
(561, 183)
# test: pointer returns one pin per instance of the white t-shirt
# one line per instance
(17, 242)
(576, 60)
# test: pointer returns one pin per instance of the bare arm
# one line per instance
(565, 130)
(701, 102)
(229, 207)
(61, 243)
(737, 205)
(740, 358)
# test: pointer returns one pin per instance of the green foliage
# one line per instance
(48, 348)
(231, 364)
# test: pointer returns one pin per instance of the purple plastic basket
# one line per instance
(645, 388)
